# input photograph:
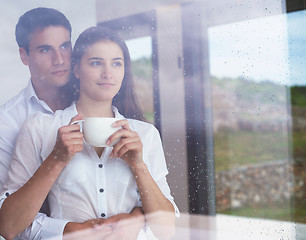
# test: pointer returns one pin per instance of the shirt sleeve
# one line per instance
(44, 227)
(25, 158)
(9, 131)
(157, 166)
(25, 161)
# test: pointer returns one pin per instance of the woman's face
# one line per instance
(101, 71)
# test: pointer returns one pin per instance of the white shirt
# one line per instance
(12, 115)
(89, 186)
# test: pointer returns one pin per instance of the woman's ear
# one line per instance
(24, 56)
(76, 71)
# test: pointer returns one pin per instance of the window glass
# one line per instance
(141, 57)
(256, 75)
(245, 66)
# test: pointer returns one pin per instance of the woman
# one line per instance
(83, 182)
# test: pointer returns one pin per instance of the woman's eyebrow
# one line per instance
(99, 58)
(95, 58)
(119, 58)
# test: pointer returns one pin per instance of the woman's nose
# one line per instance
(106, 73)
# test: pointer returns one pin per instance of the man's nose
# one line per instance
(58, 58)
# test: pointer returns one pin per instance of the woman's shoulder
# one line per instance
(143, 128)
(140, 124)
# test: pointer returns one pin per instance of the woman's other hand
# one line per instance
(129, 148)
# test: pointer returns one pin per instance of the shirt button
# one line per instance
(101, 190)
(100, 165)
(102, 215)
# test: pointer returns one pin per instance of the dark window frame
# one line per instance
(295, 5)
(199, 125)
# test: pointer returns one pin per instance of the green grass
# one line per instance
(239, 148)
(279, 211)
(300, 214)
(299, 143)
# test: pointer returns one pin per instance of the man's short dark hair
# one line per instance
(38, 18)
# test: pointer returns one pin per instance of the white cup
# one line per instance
(97, 130)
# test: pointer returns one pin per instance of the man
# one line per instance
(49, 64)
(43, 36)
(44, 39)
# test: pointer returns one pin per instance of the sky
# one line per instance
(140, 47)
(297, 47)
(271, 48)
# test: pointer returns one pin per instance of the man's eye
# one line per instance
(44, 50)
(66, 46)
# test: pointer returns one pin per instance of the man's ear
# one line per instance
(76, 71)
(24, 56)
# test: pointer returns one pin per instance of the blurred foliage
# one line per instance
(298, 111)
(142, 68)
(240, 148)
(298, 96)
(249, 90)
(142, 72)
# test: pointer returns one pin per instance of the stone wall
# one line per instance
(260, 184)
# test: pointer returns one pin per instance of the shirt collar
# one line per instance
(117, 114)
(31, 98)
(30, 92)
(68, 113)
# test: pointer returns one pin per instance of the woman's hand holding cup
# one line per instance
(69, 141)
(129, 147)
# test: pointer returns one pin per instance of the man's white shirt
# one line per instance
(12, 116)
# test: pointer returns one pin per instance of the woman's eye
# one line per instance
(117, 64)
(95, 63)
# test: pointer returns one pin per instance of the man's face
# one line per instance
(48, 57)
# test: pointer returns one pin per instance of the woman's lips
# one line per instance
(105, 84)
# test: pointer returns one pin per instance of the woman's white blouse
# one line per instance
(89, 186)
